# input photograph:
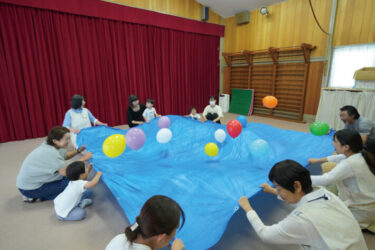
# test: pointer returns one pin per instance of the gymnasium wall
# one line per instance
(355, 22)
(292, 23)
(183, 8)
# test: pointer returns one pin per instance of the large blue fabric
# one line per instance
(207, 188)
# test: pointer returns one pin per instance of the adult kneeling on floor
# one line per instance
(42, 175)
(320, 220)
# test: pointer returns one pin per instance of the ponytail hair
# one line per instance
(159, 215)
(131, 232)
(368, 154)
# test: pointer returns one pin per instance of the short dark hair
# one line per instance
(351, 138)
(74, 170)
(76, 101)
(159, 215)
(192, 107)
(149, 100)
(352, 111)
(213, 97)
(286, 172)
(56, 133)
(132, 98)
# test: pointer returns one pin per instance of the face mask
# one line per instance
(212, 103)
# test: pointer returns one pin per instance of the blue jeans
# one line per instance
(77, 213)
(48, 191)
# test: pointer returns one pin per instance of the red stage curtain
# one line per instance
(47, 56)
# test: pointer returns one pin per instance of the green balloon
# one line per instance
(319, 128)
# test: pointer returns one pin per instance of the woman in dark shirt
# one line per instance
(135, 111)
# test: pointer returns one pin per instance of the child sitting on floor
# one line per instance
(150, 111)
(193, 113)
(70, 204)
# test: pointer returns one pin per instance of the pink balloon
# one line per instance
(164, 122)
(135, 138)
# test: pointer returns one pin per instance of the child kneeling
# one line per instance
(70, 204)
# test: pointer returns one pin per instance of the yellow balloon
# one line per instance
(114, 145)
(211, 149)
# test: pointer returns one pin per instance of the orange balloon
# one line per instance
(269, 102)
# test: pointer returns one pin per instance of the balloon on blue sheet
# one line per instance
(319, 128)
(114, 145)
(259, 148)
(242, 119)
(164, 135)
(211, 149)
(207, 188)
(164, 122)
(220, 135)
(135, 138)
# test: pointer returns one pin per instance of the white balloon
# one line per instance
(164, 135)
(220, 135)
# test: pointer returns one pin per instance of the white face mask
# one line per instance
(212, 103)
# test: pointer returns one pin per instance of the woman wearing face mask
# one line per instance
(154, 228)
(320, 219)
(135, 112)
(354, 175)
(42, 173)
(213, 112)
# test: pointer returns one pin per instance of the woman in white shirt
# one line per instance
(213, 112)
(354, 174)
(154, 228)
(317, 213)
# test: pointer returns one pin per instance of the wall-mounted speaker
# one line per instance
(205, 12)
(243, 17)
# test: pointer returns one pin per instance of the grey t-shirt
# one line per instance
(363, 126)
(41, 166)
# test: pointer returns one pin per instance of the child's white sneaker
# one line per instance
(84, 203)
(28, 200)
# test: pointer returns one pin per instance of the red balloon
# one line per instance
(234, 128)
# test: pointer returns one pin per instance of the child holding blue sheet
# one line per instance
(193, 113)
(150, 112)
(70, 204)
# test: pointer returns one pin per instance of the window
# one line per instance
(347, 60)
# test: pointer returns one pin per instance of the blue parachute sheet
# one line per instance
(207, 188)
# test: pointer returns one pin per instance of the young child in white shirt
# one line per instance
(150, 111)
(70, 204)
(193, 113)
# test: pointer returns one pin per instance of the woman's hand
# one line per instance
(312, 161)
(177, 245)
(268, 189)
(245, 204)
(82, 148)
(76, 131)
(87, 156)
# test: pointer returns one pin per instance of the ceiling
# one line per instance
(228, 8)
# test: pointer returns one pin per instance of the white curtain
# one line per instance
(332, 100)
(347, 60)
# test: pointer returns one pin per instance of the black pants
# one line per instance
(212, 116)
